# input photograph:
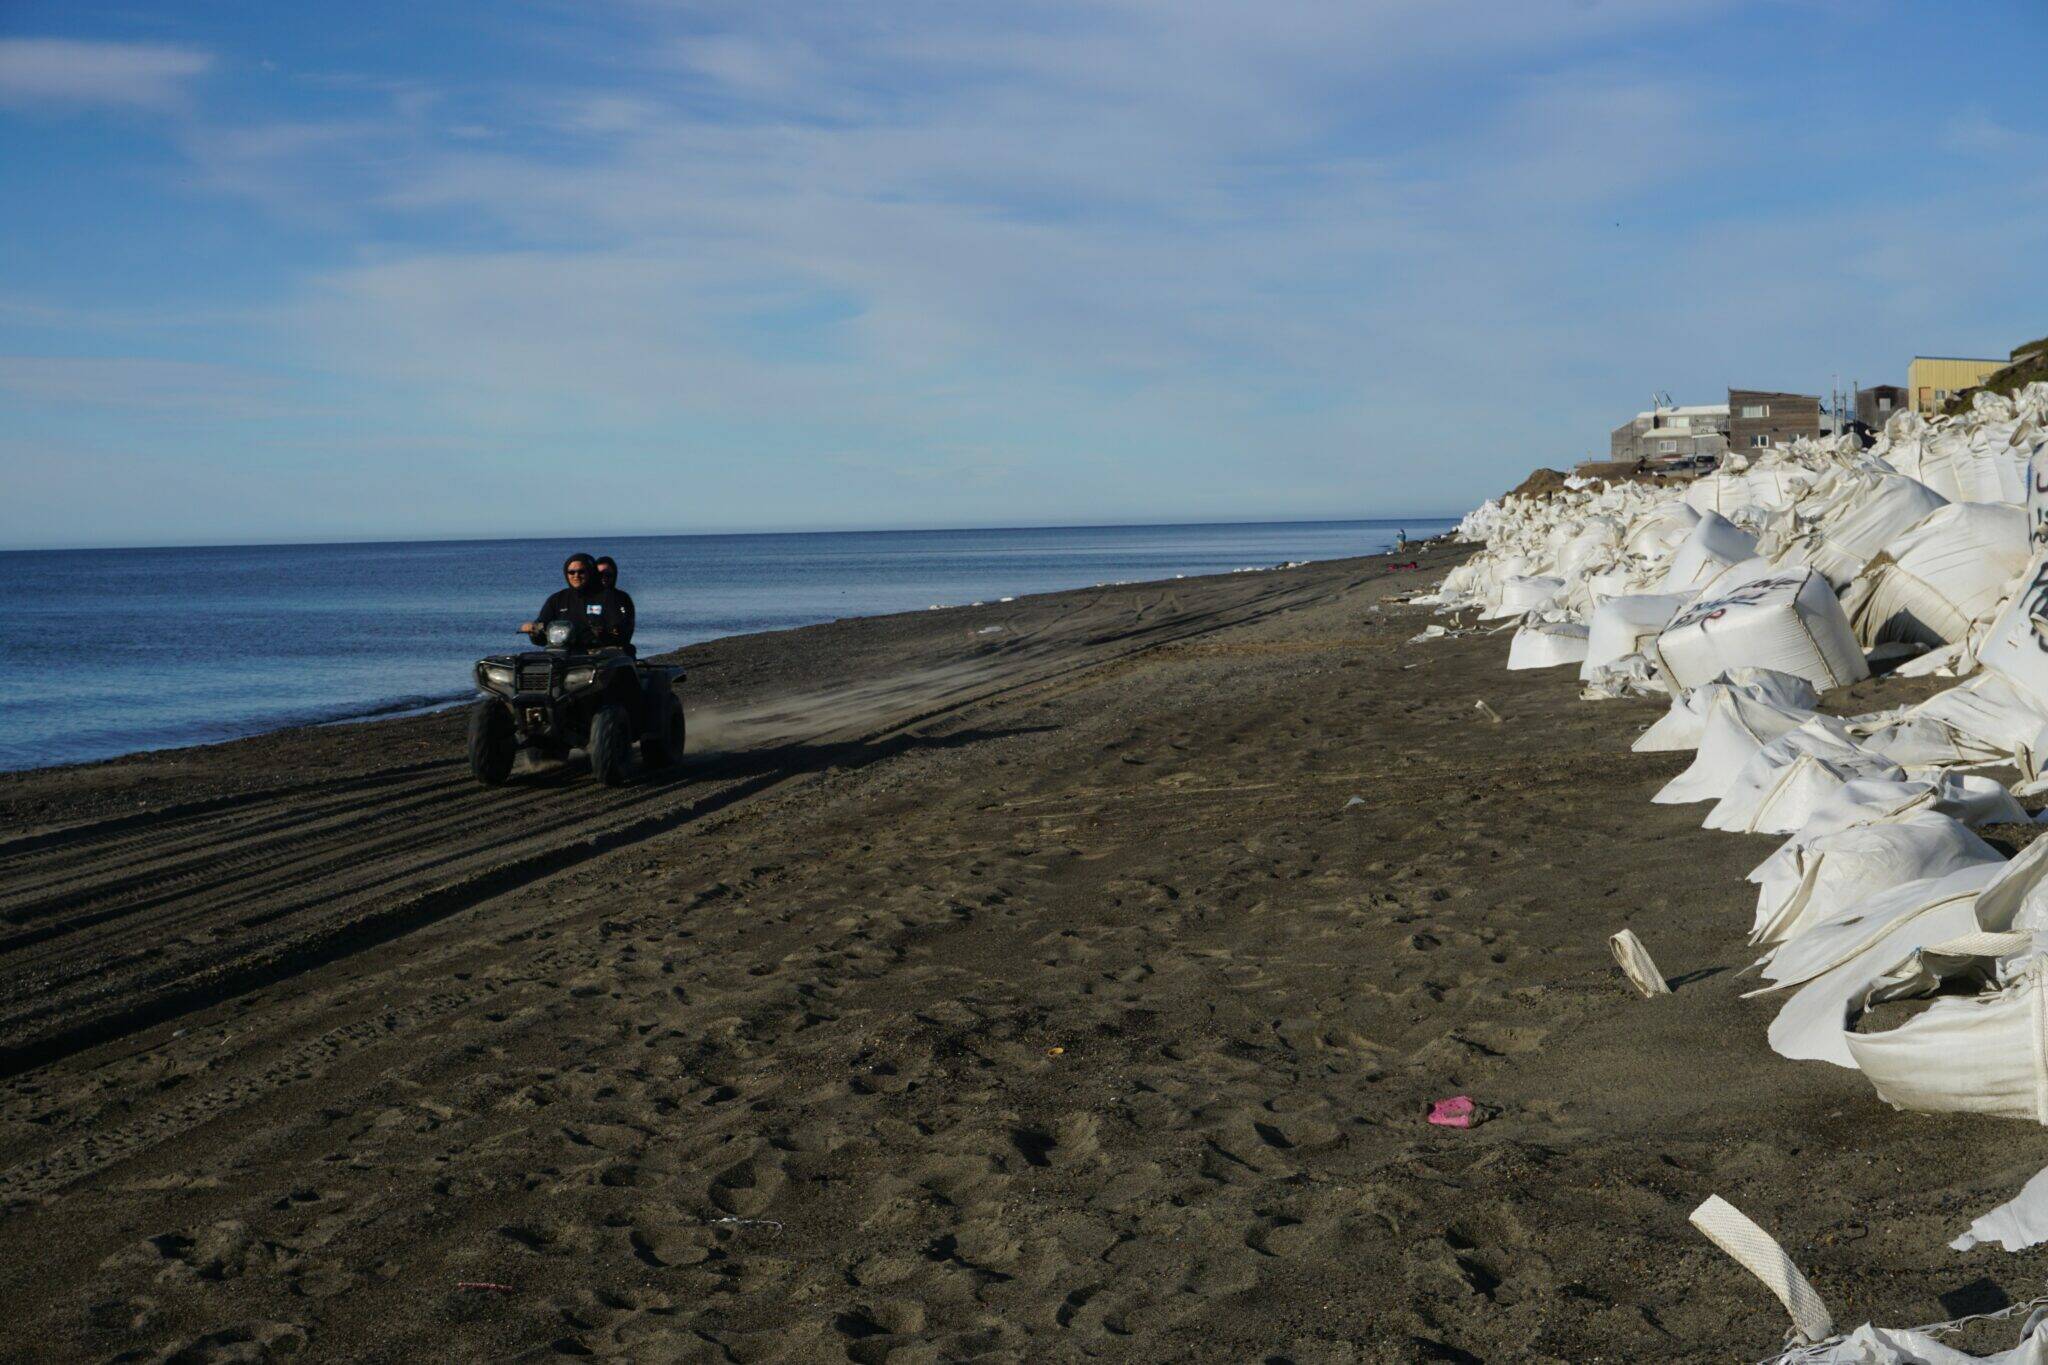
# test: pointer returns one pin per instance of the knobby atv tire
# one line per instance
(611, 744)
(492, 745)
(662, 745)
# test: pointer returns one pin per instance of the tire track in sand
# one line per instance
(136, 920)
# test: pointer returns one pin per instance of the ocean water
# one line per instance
(112, 651)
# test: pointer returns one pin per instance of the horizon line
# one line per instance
(710, 535)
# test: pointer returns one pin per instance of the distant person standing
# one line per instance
(608, 576)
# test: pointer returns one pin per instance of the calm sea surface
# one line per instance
(111, 651)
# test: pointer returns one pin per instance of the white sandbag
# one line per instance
(1790, 622)
(1992, 717)
(1951, 661)
(1596, 543)
(1679, 728)
(1894, 505)
(2037, 500)
(1778, 787)
(1873, 1345)
(1735, 730)
(1657, 533)
(1937, 580)
(1750, 692)
(1812, 1027)
(1629, 580)
(1546, 644)
(1964, 797)
(1740, 574)
(1629, 676)
(1823, 947)
(1620, 626)
(1802, 885)
(1921, 742)
(2016, 644)
(1885, 939)
(1711, 546)
(1683, 725)
(1968, 459)
(1522, 593)
(1973, 1055)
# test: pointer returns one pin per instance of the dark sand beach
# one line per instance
(1056, 980)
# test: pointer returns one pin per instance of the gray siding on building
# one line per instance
(1876, 404)
(1621, 442)
(1774, 419)
(1641, 439)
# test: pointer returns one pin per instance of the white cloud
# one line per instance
(64, 71)
(1075, 253)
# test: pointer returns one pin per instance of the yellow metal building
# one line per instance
(1931, 380)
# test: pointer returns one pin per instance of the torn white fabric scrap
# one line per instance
(1756, 1251)
(1634, 960)
(2018, 1223)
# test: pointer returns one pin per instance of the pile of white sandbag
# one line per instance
(1745, 596)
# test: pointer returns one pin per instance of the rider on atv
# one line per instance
(588, 601)
(584, 688)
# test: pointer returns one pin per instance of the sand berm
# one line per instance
(1063, 979)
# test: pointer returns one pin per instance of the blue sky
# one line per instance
(273, 273)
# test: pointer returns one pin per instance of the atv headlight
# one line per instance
(496, 675)
(578, 677)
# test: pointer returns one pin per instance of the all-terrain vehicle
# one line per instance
(567, 696)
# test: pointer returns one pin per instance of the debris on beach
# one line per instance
(1634, 960)
(1743, 597)
(1459, 1111)
(1756, 1251)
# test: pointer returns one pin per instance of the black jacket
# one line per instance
(607, 612)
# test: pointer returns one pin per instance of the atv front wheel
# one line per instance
(611, 741)
(492, 744)
(662, 745)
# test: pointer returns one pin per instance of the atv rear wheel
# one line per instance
(611, 742)
(492, 744)
(662, 745)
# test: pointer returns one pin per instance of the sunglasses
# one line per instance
(578, 573)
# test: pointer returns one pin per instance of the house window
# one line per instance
(1760, 441)
(1941, 395)
(1666, 447)
(1884, 405)
(1756, 409)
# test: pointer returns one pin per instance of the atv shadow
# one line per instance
(788, 759)
(768, 761)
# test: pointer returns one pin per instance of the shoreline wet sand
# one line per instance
(1019, 982)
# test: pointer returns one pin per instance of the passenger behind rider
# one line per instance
(587, 600)
(608, 574)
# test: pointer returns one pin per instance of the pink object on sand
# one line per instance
(1455, 1112)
